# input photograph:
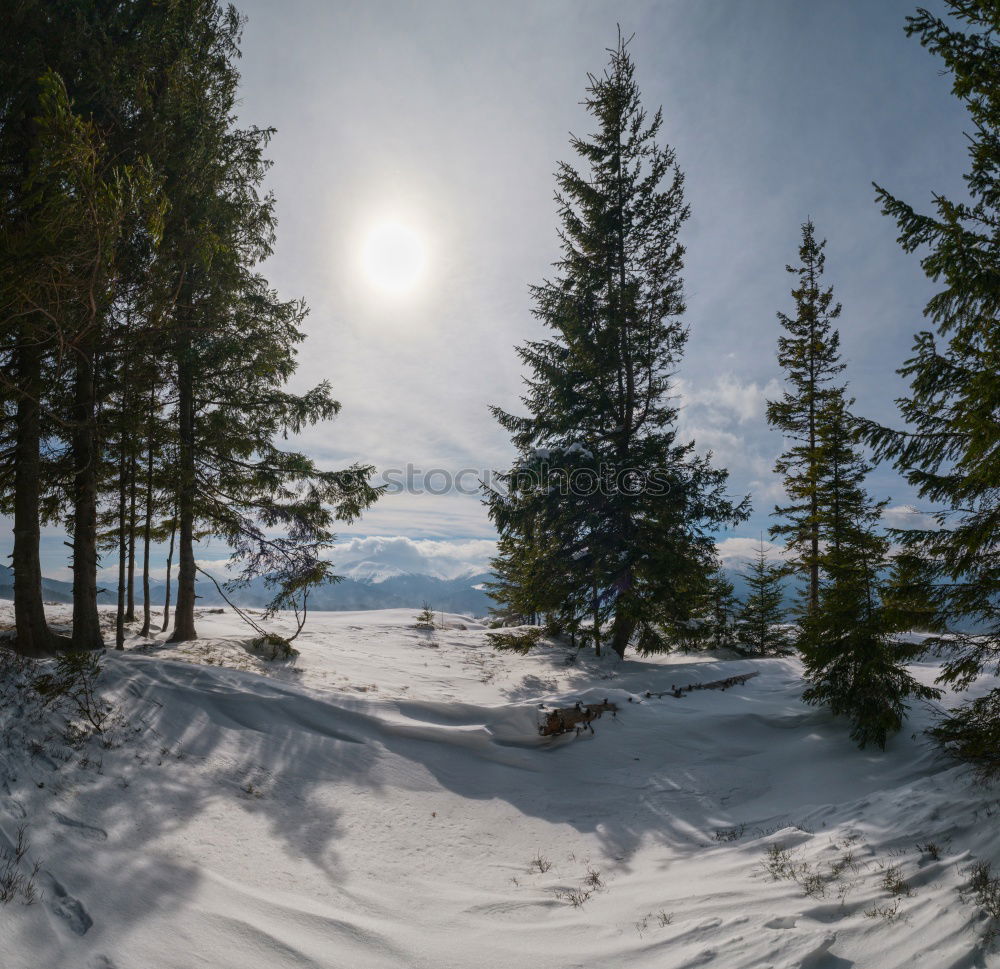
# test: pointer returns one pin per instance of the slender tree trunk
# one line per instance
(86, 622)
(33, 637)
(122, 549)
(621, 632)
(596, 607)
(132, 522)
(148, 525)
(170, 562)
(184, 613)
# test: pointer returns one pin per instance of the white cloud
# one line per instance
(736, 552)
(906, 516)
(729, 398)
(382, 556)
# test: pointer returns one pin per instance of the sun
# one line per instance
(394, 258)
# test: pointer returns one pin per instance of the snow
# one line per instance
(380, 803)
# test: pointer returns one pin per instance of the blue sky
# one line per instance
(451, 117)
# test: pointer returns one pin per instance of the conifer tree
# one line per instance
(950, 448)
(758, 624)
(853, 661)
(809, 353)
(598, 394)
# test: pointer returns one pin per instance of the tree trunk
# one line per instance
(170, 562)
(130, 609)
(621, 632)
(596, 608)
(33, 637)
(86, 622)
(147, 530)
(122, 551)
(184, 613)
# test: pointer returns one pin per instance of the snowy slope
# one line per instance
(381, 805)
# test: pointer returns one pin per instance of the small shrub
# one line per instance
(16, 883)
(520, 641)
(272, 647)
(593, 879)
(894, 883)
(984, 887)
(540, 864)
(780, 864)
(75, 679)
(887, 913)
(576, 897)
(931, 849)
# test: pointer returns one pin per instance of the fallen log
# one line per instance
(578, 717)
(679, 691)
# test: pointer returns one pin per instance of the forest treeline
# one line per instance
(608, 519)
(143, 356)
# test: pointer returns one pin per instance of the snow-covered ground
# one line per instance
(387, 802)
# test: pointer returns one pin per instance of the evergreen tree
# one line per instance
(949, 450)
(758, 624)
(809, 353)
(621, 508)
(712, 620)
(910, 595)
(853, 661)
(134, 327)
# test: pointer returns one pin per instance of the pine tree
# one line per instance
(853, 661)
(622, 509)
(911, 596)
(712, 620)
(949, 450)
(425, 620)
(809, 353)
(759, 629)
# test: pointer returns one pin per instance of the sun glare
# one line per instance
(394, 258)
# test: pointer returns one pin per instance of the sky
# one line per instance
(450, 118)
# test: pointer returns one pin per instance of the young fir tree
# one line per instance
(853, 661)
(425, 619)
(712, 624)
(760, 618)
(620, 507)
(809, 353)
(950, 449)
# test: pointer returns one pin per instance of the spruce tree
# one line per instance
(759, 629)
(809, 353)
(949, 449)
(638, 534)
(853, 661)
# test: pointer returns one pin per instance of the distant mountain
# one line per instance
(52, 589)
(380, 591)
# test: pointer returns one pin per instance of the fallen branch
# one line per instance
(679, 691)
(578, 717)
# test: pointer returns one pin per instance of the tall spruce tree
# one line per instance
(759, 629)
(950, 448)
(854, 663)
(632, 531)
(809, 353)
